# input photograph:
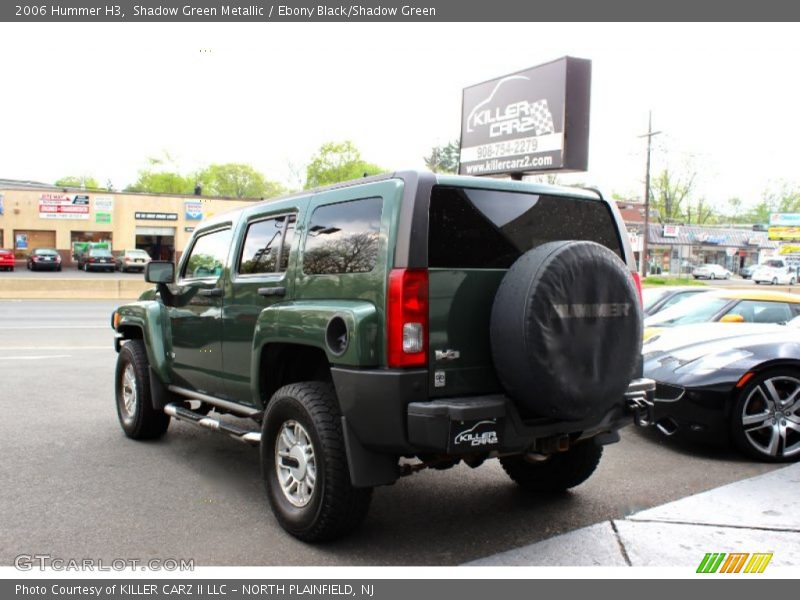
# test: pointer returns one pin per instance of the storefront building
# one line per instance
(40, 216)
(677, 249)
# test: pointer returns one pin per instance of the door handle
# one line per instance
(272, 291)
(211, 292)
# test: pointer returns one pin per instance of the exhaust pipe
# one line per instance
(182, 413)
(667, 426)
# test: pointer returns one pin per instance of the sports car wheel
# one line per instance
(765, 422)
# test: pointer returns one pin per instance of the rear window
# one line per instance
(99, 253)
(487, 229)
(44, 252)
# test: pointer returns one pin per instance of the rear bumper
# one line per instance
(390, 412)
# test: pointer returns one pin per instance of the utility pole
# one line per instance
(649, 135)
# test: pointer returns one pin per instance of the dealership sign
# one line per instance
(63, 206)
(534, 120)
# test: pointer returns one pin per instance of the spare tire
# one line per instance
(566, 330)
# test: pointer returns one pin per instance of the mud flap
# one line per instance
(367, 468)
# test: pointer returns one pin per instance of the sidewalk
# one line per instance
(761, 514)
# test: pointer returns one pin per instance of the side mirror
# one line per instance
(159, 271)
(732, 319)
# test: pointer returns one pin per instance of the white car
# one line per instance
(711, 271)
(775, 272)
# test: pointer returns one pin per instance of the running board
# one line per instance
(247, 411)
(182, 413)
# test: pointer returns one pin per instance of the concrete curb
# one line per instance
(761, 514)
(71, 289)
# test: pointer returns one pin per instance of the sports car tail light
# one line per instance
(407, 318)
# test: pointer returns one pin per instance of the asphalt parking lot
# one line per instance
(72, 486)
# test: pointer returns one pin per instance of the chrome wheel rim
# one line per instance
(295, 463)
(771, 417)
(128, 406)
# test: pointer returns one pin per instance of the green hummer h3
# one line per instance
(364, 331)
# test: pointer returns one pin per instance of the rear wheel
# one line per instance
(138, 418)
(765, 421)
(712, 276)
(558, 473)
(305, 467)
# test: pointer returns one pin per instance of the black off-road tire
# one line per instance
(560, 472)
(335, 507)
(141, 421)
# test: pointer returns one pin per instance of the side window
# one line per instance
(207, 256)
(754, 311)
(266, 245)
(343, 237)
(676, 298)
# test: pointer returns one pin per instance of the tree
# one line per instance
(444, 159)
(668, 193)
(237, 180)
(157, 180)
(335, 162)
(162, 182)
(700, 213)
(74, 181)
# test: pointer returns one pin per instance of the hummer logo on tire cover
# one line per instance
(611, 309)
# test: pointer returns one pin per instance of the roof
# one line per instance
(690, 235)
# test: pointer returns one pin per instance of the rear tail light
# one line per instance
(637, 280)
(92, 259)
(407, 318)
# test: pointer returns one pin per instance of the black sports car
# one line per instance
(730, 380)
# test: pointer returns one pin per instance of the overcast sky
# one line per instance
(99, 99)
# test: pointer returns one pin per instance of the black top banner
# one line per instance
(394, 10)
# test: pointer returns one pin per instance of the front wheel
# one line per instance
(138, 418)
(774, 281)
(765, 420)
(304, 464)
(558, 473)
(712, 277)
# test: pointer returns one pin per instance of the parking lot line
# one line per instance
(35, 357)
(10, 348)
(59, 327)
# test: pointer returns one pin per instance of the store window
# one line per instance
(82, 241)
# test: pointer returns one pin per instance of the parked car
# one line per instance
(775, 272)
(6, 260)
(41, 259)
(711, 271)
(747, 272)
(732, 306)
(429, 318)
(746, 387)
(656, 299)
(131, 260)
(96, 259)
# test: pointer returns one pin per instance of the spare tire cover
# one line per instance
(566, 330)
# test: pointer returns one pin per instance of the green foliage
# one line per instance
(650, 281)
(335, 162)
(669, 193)
(74, 181)
(237, 180)
(444, 159)
(162, 182)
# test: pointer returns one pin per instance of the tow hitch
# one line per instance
(639, 399)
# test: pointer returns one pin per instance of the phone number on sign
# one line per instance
(509, 148)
